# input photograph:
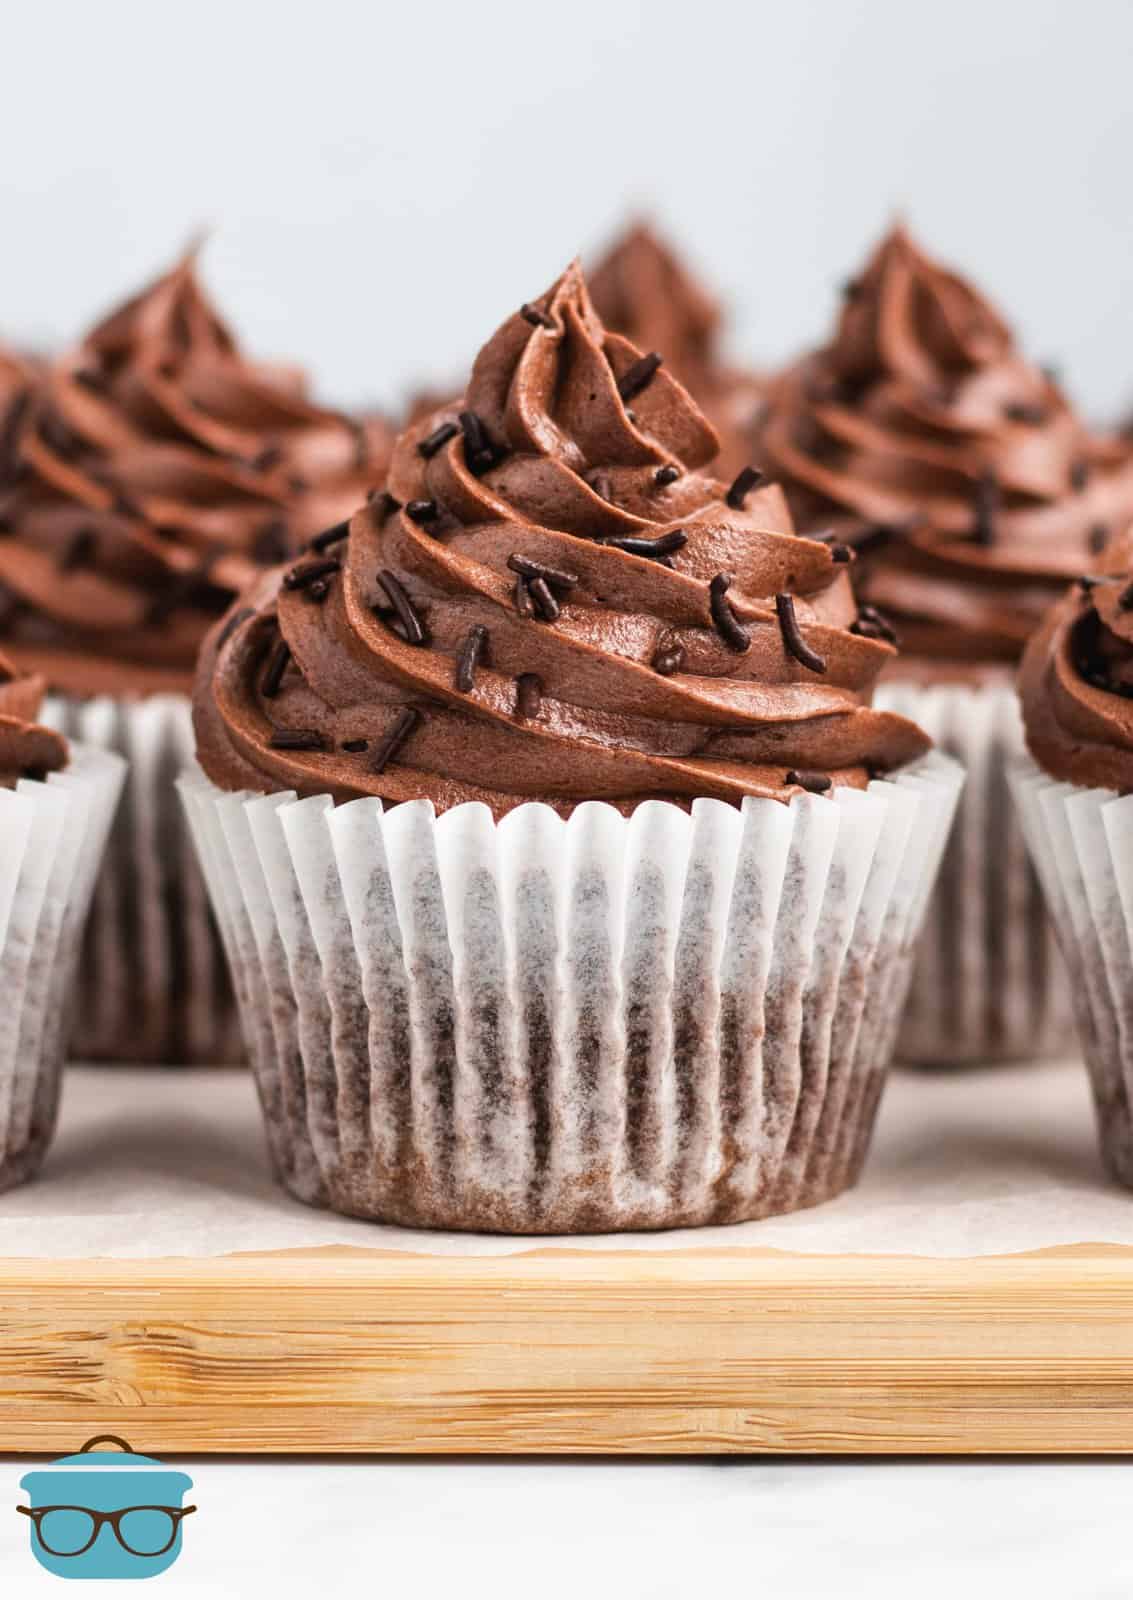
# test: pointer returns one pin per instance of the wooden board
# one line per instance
(683, 1351)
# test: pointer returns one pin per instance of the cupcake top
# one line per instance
(922, 434)
(27, 749)
(553, 600)
(145, 476)
(1076, 680)
(643, 291)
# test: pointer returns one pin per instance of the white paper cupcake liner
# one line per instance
(554, 1026)
(153, 980)
(988, 983)
(1081, 841)
(52, 837)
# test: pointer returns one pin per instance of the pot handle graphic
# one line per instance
(107, 1438)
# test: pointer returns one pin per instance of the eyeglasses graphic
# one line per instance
(140, 1530)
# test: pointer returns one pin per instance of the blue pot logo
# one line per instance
(106, 1513)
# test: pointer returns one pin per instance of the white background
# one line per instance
(386, 181)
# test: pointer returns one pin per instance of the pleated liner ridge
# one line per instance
(1081, 841)
(988, 983)
(52, 837)
(153, 980)
(554, 1026)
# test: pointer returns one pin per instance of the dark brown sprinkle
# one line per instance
(635, 378)
(747, 480)
(1098, 538)
(311, 572)
(1125, 598)
(873, 624)
(841, 552)
(35, 774)
(90, 378)
(385, 506)
(874, 538)
(296, 739)
(78, 549)
(523, 598)
(725, 619)
(126, 506)
(533, 315)
(414, 628)
(666, 475)
(235, 620)
(271, 543)
(355, 747)
(468, 658)
(793, 641)
(180, 588)
(669, 656)
(270, 456)
(555, 576)
(528, 695)
(437, 440)
(986, 506)
(315, 593)
(298, 485)
(58, 436)
(544, 601)
(406, 722)
(277, 666)
(814, 782)
(332, 536)
(665, 544)
(13, 422)
(1088, 582)
(1079, 476)
(481, 451)
(1025, 411)
(851, 288)
(422, 511)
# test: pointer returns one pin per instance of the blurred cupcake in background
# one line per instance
(56, 803)
(568, 876)
(971, 492)
(642, 290)
(1075, 795)
(145, 476)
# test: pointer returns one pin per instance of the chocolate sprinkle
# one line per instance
(545, 603)
(422, 511)
(270, 456)
(332, 536)
(271, 543)
(415, 632)
(634, 379)
(277, 666)
(437, 440)
(793, 641)
(481, 452)
(385, 506)
(301, 577)
(234, 621)
(1079, 476)
(296, 739)
(1098, 538)
(315, 593)
(406, 722)
(182, 587)
(986, 507)
(529, 569)
(523, 598)
(726, 622)
(841, 552)
(814, 782)
(470, 652)
(1125, 598)
(1025, 411)
(528, 695)
(742, 487)
(10, 430)
(873, 624)
(665, 544)
(666, 475)
(669, 656)
(355, 747)
(78, 550)
(533, 315)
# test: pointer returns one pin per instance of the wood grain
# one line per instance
(555, 1351)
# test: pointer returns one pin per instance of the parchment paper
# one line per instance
(173, 1163)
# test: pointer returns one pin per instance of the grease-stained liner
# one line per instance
(549, 1026)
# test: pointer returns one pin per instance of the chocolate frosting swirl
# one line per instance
(921, 427)
(483, 636)
(27, 749)
(145, 476)
(1076, 680)
(643, 291)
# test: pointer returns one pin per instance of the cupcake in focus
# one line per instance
(144, 478)
(56, 804)
(1075, 796)
(581, 884)
(972, 493)
(643, 291)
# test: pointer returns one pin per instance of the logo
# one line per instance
(106, 1513)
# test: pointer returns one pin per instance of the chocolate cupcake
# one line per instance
(144, 478)
(643, 291)
(972, 492)
(56, 802)
(1075, 797)
(573, 899)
